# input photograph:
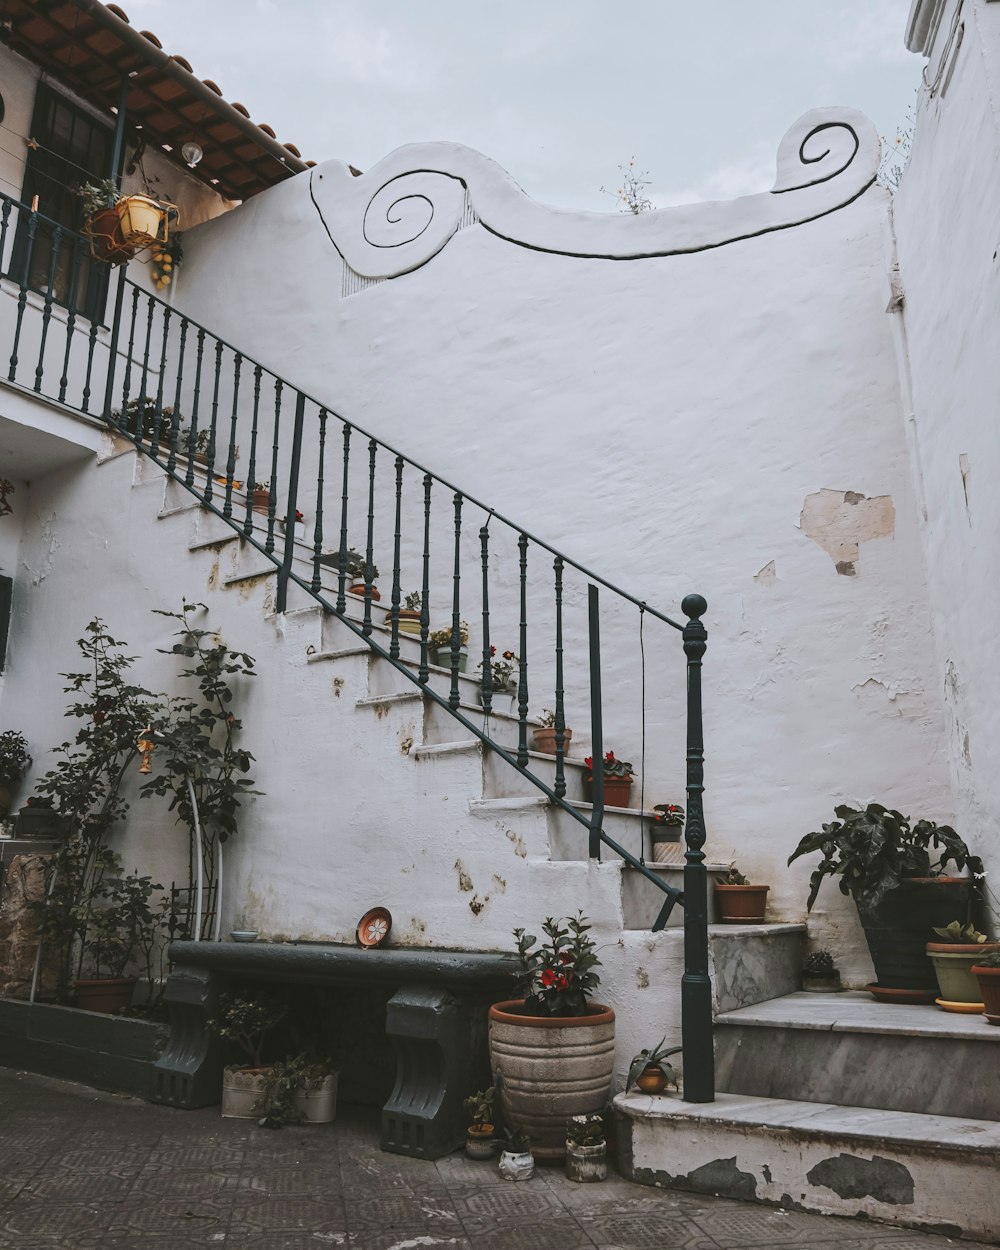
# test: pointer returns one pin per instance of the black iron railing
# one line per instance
(259, 453)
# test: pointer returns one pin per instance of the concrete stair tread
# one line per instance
(858, 1012)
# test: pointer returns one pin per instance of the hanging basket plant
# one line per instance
(121, 226)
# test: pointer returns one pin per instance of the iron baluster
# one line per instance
(272, 490)
(195, 400)
(560, 726)
(92, 344)
(22, 298)
(47, 306)
(596, 723)
(116, 326)
(696, 984)
(251, 481)
(158, 412)
(316, 583)
(486, 685)
(394, 614)
(456, 612)
(175, 427)
(127, 383)
(143, 397)
(522, 680)
(74, 283)
(227, 507)
(342, 559)
(369, 554)
(4, 223)
(213, 428)
(293, 493)
(425, 586)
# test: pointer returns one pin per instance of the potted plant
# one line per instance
(819, 974)
(261, 492)
(959, 949)
(516, 1160)
(502, 680)
(896, 873)
(356, 569)
(245, 1022)
(987, 973)
(586, 1149)
(296, 1090)
(116, 920)
(102, 225)
(299, 529)
(39, 819)
(649, 1070)
(439, 643)
(665, 831)
(739, 901)
(618, 775)
(544, 739)
(553, 1050)
(14, 763)
(408, 616)
(480, 1142)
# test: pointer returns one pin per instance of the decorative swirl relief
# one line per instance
(401, 213)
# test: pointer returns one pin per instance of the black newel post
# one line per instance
(696, 985)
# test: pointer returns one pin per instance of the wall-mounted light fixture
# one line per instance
(192, 153)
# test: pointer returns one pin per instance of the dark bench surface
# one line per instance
(331, 962)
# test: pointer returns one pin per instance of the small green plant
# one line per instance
(560, 974)
(14, 758)
(960, 934)
(654, 1058)
(585, 1130)
(282, 1081)
(631, 195)
(95, 196)
(992, 960)
(502, 669)
(547, 719)
(480, 1105)
(440, 639)
(734, 877)
(517, 1142)
(246, 1022)
(819, 964)
(412, 601)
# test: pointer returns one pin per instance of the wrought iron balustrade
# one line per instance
(220, 424)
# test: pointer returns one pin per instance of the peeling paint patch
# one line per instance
(464, 880)
(839, 521)
(641, 979)
(767, 574)
(722, 1176)
(849, 1176)
(381, 710)
(519, 847)
(213, 576)
(406, 744)
(500, 883)
(965, 468)
(476, 904)
(338, 686)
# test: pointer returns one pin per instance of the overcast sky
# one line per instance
(559, 92)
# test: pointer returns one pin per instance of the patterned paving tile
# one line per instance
(290, 1214)
(645, 1232)
(551, 1233)
(77, 1187)
(43, 1219)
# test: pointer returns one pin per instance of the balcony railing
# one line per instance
(220, 423)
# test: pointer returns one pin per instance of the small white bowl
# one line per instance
(243, 935)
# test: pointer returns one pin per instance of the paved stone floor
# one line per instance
(83, 1170)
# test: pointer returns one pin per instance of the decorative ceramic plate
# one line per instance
(966, 1009)
(886, 994)
(373, 927)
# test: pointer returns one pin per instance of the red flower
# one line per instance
(493, 651)
(562, 982)
(589, 762)
(548, 977)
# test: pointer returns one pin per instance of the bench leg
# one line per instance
(189, 1072)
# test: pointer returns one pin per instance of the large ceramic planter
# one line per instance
(667, 843)
(989, 991)
(741, 904)
(953, 966)
(551, 1068)
(544, 740)
(898, 933)
(617, 791)
(107, 995)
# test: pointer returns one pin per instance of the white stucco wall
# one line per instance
(666, 422)
(947, 224)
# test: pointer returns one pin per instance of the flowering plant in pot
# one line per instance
(959, 947)
(408, 616)
(501, 669)
(739, 901)
(618, 776)
(546, 734)
(649, 1070)
(480, 1142)
(441, 644)
(665, 831)
(553, 1049)
(14, 763)
(897, 873)
(586, 1148)
(261, 498)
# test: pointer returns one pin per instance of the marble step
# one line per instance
(848, 1048)
(932, 1172)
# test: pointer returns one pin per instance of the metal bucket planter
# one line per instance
(551, 1068)
(241, 1088)
(586, 1163)
(318, 1105)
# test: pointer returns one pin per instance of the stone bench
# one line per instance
(436, 1019)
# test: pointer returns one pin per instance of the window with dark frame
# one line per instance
(73, 148)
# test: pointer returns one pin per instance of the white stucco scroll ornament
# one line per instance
(402, 212)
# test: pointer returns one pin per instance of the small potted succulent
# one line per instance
(503, 682)
(739, 901)
(618, 775)
(665, 831)
(959, 948)
(408, 616)
(439, 644)
(987, 973)
(820, 975)
(649, 1070)
(14, 763)
(544, 740)
(516, 1160)
(586, 1148)
(480, 1141)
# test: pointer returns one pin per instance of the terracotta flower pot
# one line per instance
(989, 990)
(358, 588)
(107, 242)
(106, 995)
(545, 740)
(552, 1067)
(953, 964)
(617, 791)
(261, 501)
(652, 1079)
(741, 904)
(480, 1142)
